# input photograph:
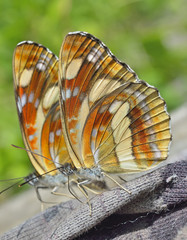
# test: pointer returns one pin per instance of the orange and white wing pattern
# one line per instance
(87, 72)
(107, 118)
(111, 120)
(52, 142)
(127, 131)
(35, 70)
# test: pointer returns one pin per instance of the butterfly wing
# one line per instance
(53, 145)
(127, 131)
(88, 71)
(35, 71)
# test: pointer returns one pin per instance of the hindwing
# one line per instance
(127, 131)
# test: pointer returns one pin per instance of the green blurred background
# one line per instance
(149, 35)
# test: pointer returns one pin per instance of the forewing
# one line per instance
(127, 131)
(88, 71)
(35, 71)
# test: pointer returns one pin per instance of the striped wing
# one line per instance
(35, 71)
(127, 131)
(87, 71)
(53, 145)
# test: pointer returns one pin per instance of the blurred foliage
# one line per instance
(149, 35)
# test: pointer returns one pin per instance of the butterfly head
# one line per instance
(66, 169)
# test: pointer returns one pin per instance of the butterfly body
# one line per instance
(90, 174)
(87, 114)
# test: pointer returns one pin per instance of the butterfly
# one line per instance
(86, 114)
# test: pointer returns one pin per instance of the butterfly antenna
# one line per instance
(11, 179)
(59, 168)
(40, 155)
(31, 152)
(16, 183)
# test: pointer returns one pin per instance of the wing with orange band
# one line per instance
(35, 70)
(88, 71)
(127, 131)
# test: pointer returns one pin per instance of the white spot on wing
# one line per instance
(31, 137)
(94, 132)
(41, 66)
(58, 132)
(94, 55)
(31, 97)
(68, 93)
(43, 62)
(36, 103)
(23, 100)
(75, 91)
(19, 105)
(63, 95)
(51, 137)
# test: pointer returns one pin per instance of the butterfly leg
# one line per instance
(111, 178)
(39, 196)
(81, 186)
(91, 190)
(38, 193)
(54, 192)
